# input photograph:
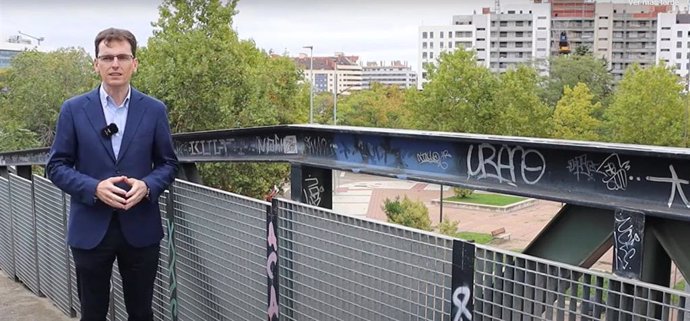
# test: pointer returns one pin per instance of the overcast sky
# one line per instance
(375, 30)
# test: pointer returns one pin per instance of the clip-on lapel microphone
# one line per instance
(109, 130)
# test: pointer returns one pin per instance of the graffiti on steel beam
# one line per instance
(626, 240)
(312, 191)
(318, 146)
(276, 145)
(676, 186)
(486, 161)
(581, 166)
(439, 159)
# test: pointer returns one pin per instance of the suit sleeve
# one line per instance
(60, 167)
(164, 158)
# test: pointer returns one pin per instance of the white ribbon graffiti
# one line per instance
(676, 185)
(275, 144)
(312, 193)
(461, 296)
(615, 173)
(493, 164)
(434, 158)
(626, 237)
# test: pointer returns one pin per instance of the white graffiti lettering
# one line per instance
(317, 146)
(580, 165)
(212, 147)
(615, 173)
(275, 144)
(626, 237)
(312, 193)
(676, 186)
(461, 296)
(436, 158)
(493, 164)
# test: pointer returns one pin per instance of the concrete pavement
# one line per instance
(17, 303)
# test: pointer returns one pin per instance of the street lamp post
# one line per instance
(311, 87)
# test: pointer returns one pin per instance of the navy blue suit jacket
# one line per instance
(81, 157)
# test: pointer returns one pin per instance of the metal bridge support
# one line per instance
(189, 172)
(312, 185)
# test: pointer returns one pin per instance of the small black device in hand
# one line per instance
(110, 130)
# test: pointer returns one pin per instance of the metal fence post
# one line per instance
(462, 281)
(172, 255)
(272, 261)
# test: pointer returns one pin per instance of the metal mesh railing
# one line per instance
(53, 257)
(6, 252)
(24, 232)
(511, 286)
(337, 267)
(221, 254)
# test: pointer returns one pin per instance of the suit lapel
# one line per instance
(94, 112)
(134, 116)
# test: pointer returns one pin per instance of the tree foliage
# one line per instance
(570, 70)
(519, 109)
(575, 115)
(459, 96)
(210, 79)
(647, 108)
(37, 84)
(407, 212)
(380, 106)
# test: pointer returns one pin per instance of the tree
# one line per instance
(380, 106)
(407, 212)
(519, 109)
(569, 70)
(210, 79)
(574, 117)
(459, 96)
(37, 85)
(647, 108)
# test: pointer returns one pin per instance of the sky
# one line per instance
(374, 30)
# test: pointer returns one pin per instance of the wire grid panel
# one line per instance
(511, 286)
(337, 267)
(161, 297)
(24, 232)
(76, 304)
(221, 254)
(53, 257)
(6, 252)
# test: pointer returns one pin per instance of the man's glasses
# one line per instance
(111, 58)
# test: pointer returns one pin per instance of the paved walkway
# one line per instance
(17, 303)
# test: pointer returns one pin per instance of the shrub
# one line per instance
(448, 228)
(462, 192)
(407, 212)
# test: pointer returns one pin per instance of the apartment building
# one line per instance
(339, 71)
(515, 35)
(576, 19)
(396, 73)
(627, 34)
(673, 42)
(11, 47)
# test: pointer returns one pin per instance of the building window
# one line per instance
(541, 28)
(665, 50)
(678, 55)
(431, 55)
(480, 49)
(519, 23)
(481, 39)
(678, 66)
(431, 35)
(503, 44)
(431, 45)
(519, 34)
(441, 45)
(680, 34)
(481, 29)
(450, 34)
(603, 17)
(440, 34)
(603, 39)
(424, 55)
(541, 17)
(518, 45)
(450, 44)
(502, 55)
(665, 28)
(665, 39)
(679, 44)
(503, 34)
(503, 23)
(541, 39)
(603, 28)
(424, 34)
(424, 45)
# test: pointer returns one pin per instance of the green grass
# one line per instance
(478, 238)
(487, 199)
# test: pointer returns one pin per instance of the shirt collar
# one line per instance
(104, 96)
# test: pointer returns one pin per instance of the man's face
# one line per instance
(115, 63)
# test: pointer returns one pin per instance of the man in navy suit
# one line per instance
(113, 154)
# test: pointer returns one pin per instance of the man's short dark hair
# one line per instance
(111, 34)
